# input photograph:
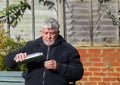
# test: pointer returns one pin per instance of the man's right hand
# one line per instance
(20, 56)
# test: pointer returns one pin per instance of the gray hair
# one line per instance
(49, 23)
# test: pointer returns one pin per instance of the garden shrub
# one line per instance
(7, 45)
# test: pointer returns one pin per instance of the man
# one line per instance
(62, 61)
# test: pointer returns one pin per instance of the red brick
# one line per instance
(99, 64)
(85, 55)
(111, 74)
(104, 69)
(109, 60)
(118, 50)
(82, 50)
(95, 59)
(104, 55)
(115, 64)
(87, 64)
(108, 50)
(88, 74)
(113, 54)
(95, 79)
(118, 59)
(118, 68)
(97, 55)
(103, 83)
(116, 83)
(90, 83)
(94, 69)
(94, 50)
(99, 74)
(84, 59)
(84, 79)
(109, 79)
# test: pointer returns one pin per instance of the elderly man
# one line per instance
(61, 64)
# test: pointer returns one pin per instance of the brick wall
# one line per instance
(101, 65)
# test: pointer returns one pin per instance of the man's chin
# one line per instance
(49, 44)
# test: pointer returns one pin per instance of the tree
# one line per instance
(16, 11)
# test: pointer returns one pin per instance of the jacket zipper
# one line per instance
(44, 73)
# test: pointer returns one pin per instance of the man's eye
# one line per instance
(45, 32)
(52, 33)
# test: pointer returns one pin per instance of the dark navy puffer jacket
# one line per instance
(70, 67)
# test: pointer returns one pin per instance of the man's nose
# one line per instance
(49, 35)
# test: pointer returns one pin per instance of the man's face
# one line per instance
(49, 36)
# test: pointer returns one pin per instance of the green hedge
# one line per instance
(7, 45)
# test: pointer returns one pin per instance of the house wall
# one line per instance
(101, 65)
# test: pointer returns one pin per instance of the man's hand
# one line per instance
(20, 56)
(51, 64)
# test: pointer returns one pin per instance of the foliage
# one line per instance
(8, 45)
(15, 12)
(115, 19)
(48, 3)
(103, 1)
